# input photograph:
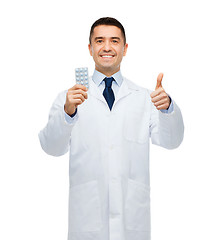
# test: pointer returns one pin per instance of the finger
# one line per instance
(77, 101)
(78, 91)
(159, 81)
(156, 92)
(79, 86)
(159, 97)
(78, 96)
(161, 102)
(162, 106)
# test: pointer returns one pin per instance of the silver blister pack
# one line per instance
(81, 76)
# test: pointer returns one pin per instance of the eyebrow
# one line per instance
(97, 38)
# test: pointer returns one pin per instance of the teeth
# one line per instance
(107, 56)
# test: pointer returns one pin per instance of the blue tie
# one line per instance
(108, 91)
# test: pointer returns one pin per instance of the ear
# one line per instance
(125, 49)
(90, 49)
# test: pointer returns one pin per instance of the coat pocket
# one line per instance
(84, 208)
(137, 207)
(136, 126)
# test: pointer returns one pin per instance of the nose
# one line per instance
(107, 46)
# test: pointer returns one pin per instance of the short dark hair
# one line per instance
(107, 21)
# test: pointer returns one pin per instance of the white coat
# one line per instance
(109, 195)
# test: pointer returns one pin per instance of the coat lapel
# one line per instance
(95, 92)
(126, 89)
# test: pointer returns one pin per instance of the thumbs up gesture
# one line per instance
(159, 97)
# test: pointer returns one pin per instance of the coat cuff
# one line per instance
(70, 118)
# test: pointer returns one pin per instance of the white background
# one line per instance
(41, 43)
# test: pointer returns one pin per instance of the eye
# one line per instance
(99, 41)
(115, 41)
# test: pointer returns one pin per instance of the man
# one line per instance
(107, 130)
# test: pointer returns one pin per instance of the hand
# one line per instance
(74, 97)
(159, 97)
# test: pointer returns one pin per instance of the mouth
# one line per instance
(105, 56)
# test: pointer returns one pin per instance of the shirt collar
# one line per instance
(98, 77)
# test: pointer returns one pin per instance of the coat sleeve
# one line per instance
(166, 129)
(55, 136)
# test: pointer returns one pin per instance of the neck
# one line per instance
(106, 72)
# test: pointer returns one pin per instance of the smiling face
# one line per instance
(107, 49)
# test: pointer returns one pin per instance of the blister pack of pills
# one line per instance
(81, 76)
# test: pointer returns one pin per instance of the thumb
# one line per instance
(159, 80)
